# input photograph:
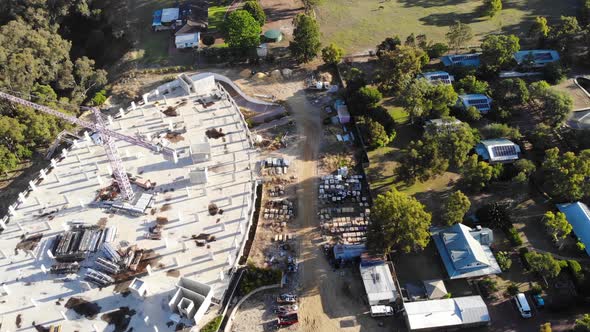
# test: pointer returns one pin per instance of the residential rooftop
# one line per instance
(498, 150)
(70, 188)
(465, 252)
(446, 313)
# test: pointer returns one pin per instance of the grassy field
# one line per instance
(216, 14)
(153, 44)
(362, 24)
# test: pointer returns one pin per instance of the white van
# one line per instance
(523, 305)
(381, 310)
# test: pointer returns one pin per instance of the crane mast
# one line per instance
(107, 136)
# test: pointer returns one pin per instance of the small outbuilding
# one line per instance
(190, 40)
(498, 150)
(348, 251)
(446, 314)
(435, 289)
(378, 281)
(273, 36)
(342, 110)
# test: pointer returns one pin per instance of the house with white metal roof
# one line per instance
(379, 284)
(466, 252)
(482, 102)
(536, 58)
(435, 77)
(454, 313)
(578, 215)
(498, 150)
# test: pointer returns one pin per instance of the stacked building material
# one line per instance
(64, 268)
(107, 266)
(99, 278)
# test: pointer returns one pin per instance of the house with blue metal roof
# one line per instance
(165, 19)
(463, 60)
(536, 58)
(480, 101)
(498, 150)
(578, 215)
(466, 252)
(435, 77)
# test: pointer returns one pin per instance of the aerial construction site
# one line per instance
(142, 219)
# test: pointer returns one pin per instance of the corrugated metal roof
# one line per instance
(446, 312)
(378, 282)
(578, 215)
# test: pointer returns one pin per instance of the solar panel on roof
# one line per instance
(475, 102)
(504, 151)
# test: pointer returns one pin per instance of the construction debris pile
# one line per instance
(345, 210)
(113, 263)
(339, 189)
(80, 240)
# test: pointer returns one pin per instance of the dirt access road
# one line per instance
(324, 304)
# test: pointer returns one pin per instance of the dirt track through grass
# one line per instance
(358, 25)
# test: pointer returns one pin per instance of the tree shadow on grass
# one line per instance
(431, 3)
(447, 19)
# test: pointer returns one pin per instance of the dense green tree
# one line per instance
(476, 174)
(500, 130)
(554, 105)
(541, 137)
(493, 7)
(510, 93)
(566, 175)
(368, 96)
(306, 38)
(470, 84)
(255, 9)
(524, 168)
(455, 208)
(554, 73)
(400, 66)
(389, 44)
(30, 56)
(241, 30)
(544, 264)
(99, 98)
(424, 100)
(498, 51)
(437, 50)
(582, 324)
(557, 224)
(332, 54)
(540, 29)
(439, 148)
(399, 223)
(459, 34)
(87, 78)
(564, 33)
(375, 134)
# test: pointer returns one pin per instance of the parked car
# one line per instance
(287, 298)
(523, 305)
(287, 321)
(539, 301)
(283, 309)
(288, 316)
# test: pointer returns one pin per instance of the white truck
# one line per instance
(381, 310)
